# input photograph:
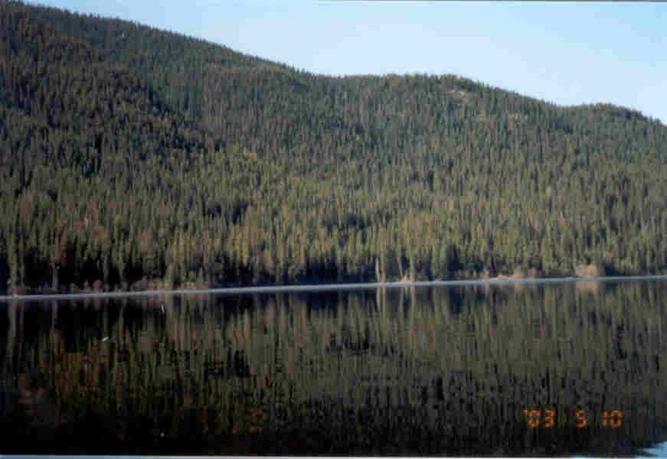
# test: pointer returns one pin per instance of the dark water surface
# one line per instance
(574, 368)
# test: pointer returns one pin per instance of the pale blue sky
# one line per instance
(568, 53)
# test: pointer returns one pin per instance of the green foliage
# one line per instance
(131, 156)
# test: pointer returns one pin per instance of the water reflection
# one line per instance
(413, 371)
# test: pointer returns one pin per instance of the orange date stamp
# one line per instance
(547, 418)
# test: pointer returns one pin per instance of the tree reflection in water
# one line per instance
(406, 371)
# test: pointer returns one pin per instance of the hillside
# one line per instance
(135, 158)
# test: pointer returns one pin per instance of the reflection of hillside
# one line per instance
(402, 371)
(589, 286)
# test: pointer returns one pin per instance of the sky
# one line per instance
(568, 53)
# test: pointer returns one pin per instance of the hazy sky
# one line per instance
(568, 53)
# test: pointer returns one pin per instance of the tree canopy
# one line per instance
(136, 158)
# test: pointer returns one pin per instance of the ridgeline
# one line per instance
(132, 158)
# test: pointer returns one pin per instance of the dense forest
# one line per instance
(136, 158)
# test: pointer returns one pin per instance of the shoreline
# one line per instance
(327, 287)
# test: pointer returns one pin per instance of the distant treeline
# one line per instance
(135, 157)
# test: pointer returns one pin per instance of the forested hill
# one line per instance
(136, 158)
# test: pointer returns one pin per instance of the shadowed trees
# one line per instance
(131, 156)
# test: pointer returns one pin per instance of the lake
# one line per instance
(559, 368)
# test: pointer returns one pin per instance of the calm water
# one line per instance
(521, 370)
